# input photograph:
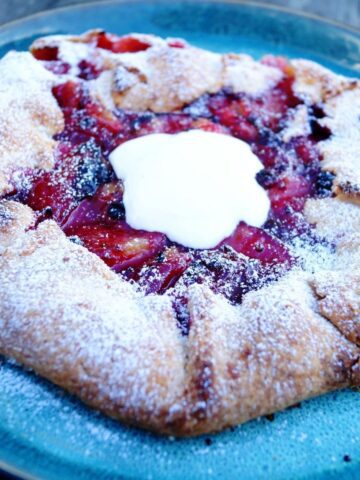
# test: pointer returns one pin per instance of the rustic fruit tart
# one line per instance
(179, 229)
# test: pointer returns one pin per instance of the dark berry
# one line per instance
(48, 211)
(317, 111)
(347, 458)
(208, 442)
(324, 183)
(319, 132)
(161, 257)
(224, 271)
(75, 239)
(88, 71)
(87, 123)
(116, 211)
(92, 171)
(141, 120)
(181, 310)
(265, 178)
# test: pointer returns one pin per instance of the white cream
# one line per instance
(193, 186)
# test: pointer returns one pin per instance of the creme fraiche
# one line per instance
(193, 186)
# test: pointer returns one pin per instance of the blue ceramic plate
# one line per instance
(45, 433)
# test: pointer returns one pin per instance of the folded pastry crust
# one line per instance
(66, 315)
(122, 352)
(29, 116)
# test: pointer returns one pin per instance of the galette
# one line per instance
(179, 229)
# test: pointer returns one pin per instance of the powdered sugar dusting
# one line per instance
(184, 81)
(329, 213)
(341, 99)
(341, 151)
(96, 350)
(243, 74)
(101, 89)
(65, 314)
(21, 67)
(73, 53)
(316, 83)
(99, 341)
(58, 422)
(168, 78)
(26, 101)
(298, 124)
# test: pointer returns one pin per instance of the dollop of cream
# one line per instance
(194, 186)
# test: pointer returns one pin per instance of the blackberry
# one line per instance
(86, 122)
(92, 170)
(324, 183)
(116, 211)
(141, 120)
(48, 212)
(319, 132)
(265, 178)
(317, 111)
(161, 257)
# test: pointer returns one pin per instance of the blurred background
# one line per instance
(345, 11)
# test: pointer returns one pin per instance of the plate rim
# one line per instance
(261, 5)
(6, 467)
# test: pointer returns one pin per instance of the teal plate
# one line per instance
(45, 433)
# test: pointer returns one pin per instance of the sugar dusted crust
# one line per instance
(340, 97)
(334, 217)
(26, 100)
(163, 79)
(276, 349)
(65, 314)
